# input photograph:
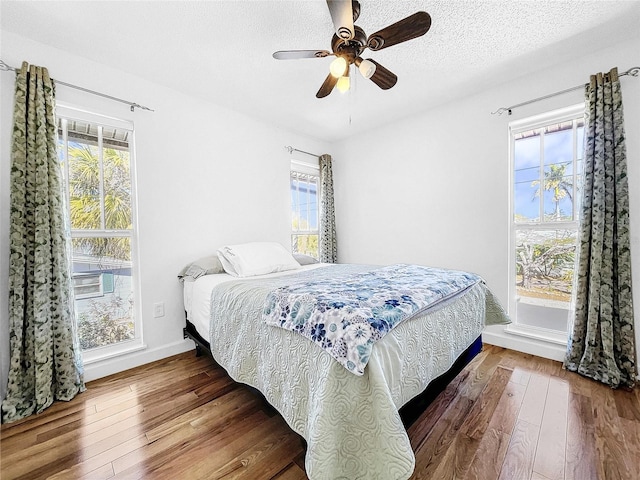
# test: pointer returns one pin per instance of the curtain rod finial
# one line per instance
(6, 68)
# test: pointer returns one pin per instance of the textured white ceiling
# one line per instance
(221, 50)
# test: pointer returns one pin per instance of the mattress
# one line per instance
(197, 296)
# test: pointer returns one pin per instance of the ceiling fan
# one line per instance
(349, 41)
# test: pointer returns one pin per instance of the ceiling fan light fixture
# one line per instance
(344, 82)
(367, 68)
(338, 67)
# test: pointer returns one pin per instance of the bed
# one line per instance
(351, 422)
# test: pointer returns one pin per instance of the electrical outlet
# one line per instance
(158, 309)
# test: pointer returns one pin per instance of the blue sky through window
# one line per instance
(551, 188)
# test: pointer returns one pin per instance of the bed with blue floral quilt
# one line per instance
(339, 349)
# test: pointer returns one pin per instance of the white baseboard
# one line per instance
(540, 348)
(118, 364)
(491, 335)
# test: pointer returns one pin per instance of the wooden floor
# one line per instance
(507, 416)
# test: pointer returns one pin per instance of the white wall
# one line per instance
(207, 176)
(433, 189)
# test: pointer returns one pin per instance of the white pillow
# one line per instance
(256, 258)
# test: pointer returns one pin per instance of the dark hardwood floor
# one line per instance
(507, 416)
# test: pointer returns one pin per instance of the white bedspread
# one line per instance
(351, 423)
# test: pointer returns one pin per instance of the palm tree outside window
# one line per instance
(559, 184)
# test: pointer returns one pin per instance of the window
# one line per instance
(87, 285)
(97, 165)
(304, 209)
(546, 153)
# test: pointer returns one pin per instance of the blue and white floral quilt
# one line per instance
(346, 314)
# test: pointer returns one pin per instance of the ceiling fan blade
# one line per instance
(383, 77)
(296, 54)
(327, 86)
(413, 26)
(342, 17)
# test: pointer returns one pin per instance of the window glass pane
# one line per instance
(558, 144)
(527, 152)
(105, 315)
(117, 188)
(526, 203)
(307, 244)
(544, 276)
(84, 185)
(526, 174)
(303, 198)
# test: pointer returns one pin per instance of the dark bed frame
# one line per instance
(410, 412)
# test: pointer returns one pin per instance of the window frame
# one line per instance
(304, 168)
(70, 113)
(566, 114)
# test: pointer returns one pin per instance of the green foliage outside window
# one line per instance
(84, 199)
(106, 323)
(306, 243)
(545, 264)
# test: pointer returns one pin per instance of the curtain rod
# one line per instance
(634, 71)
(290, 149)
(133, 105)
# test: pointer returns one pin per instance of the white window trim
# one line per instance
(98, 354)
(538, 333)
(304, 167)
(76, 113)
(515, 127)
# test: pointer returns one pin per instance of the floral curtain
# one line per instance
(602, 342)
(45, 364)
(328, 243)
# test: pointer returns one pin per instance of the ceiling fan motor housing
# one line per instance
(350, 49)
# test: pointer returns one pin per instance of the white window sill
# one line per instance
(537, 333)
(99, 354)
